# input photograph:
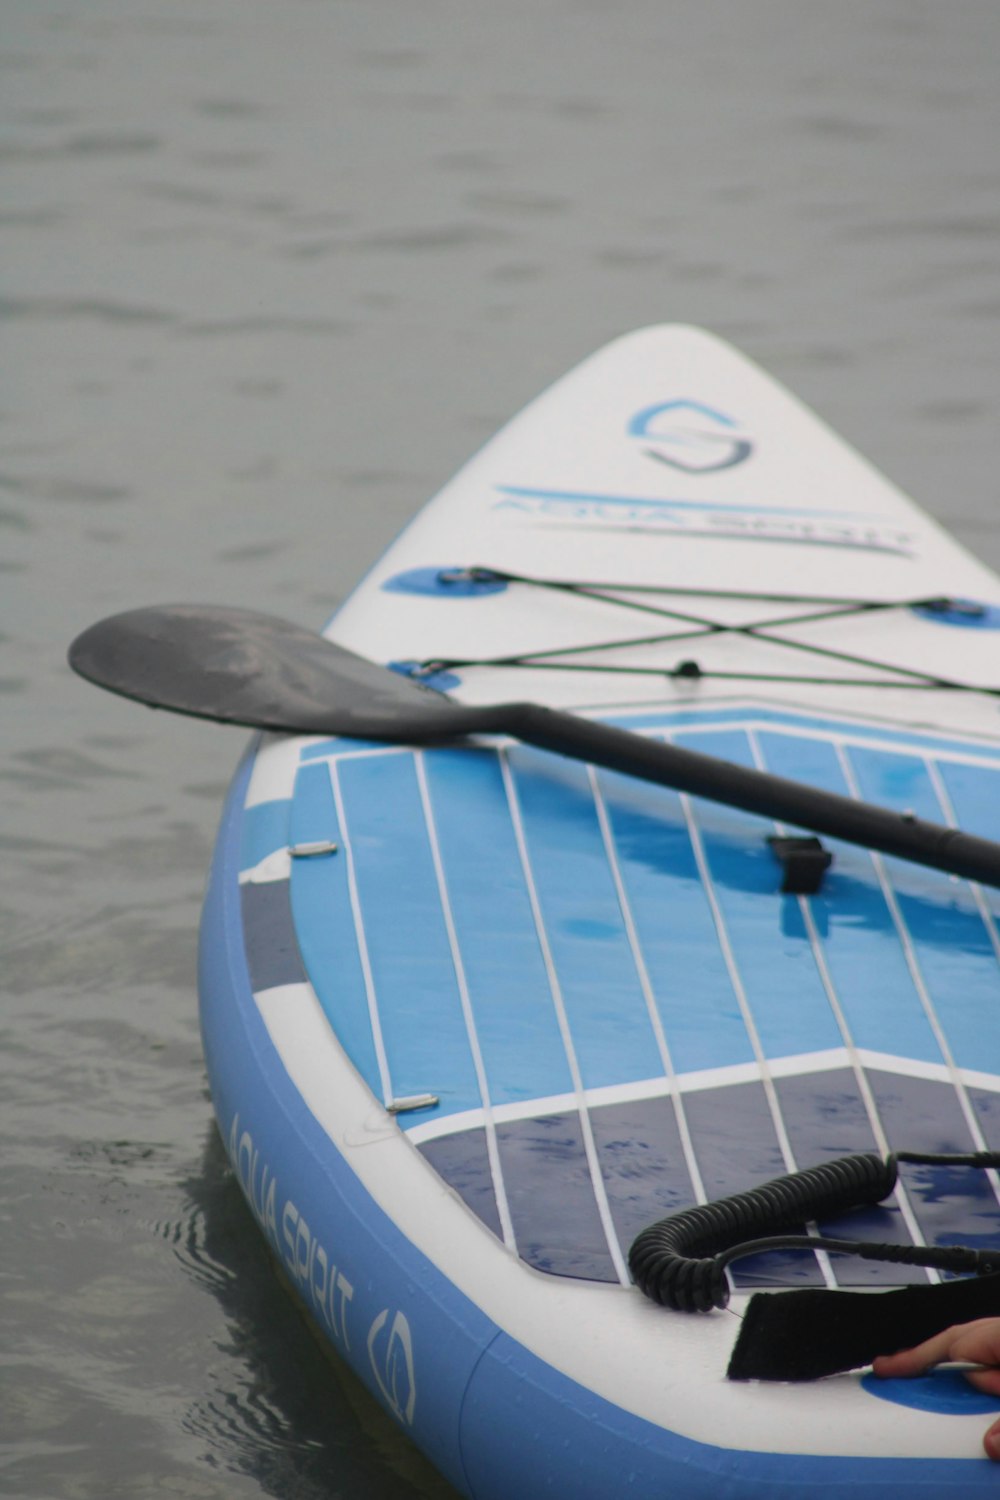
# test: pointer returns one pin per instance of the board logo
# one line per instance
(690, 436)
(391, 1359)
(732, 521)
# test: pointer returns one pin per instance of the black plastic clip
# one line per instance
(804, 862)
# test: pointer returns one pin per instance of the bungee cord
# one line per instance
(700, 627)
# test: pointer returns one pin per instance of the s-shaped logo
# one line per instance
(690, 436)
(391, 1358)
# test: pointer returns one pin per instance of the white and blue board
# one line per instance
(476, 1014)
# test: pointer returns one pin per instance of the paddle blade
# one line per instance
(240, 667)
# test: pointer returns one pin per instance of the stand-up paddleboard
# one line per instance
(476, 1013)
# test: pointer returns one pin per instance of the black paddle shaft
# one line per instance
(240, 667)
(754, 791)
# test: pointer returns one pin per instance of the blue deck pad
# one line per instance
(323, 749)
(419, 1002)
(953, 1205)
(462, 1161)
(642, 1163)
(324, 923)
(695, 1000)
(770, 943)
(825, 1117)
(550, 1194)
(974, 792)
(263, 830)
(859, 935)
(509, 990)
(611, 1029)
(950, 939)
(662, 921)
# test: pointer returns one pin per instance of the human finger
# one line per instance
(985, 1380)
(914, 1361)
(991, 1442)
(978, 1342)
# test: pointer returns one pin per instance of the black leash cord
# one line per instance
(681, 1261)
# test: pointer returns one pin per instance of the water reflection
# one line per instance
(279, 1407)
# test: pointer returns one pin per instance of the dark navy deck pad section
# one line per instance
(463, 1161)
(272, 947)
(987, 1111)
(737, 1147)
(645, 1175)
(642, 1163)
(825, 1117)
(734, 1137)
(953, 1205)
(556, 1222)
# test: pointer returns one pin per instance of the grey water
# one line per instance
(270, 270)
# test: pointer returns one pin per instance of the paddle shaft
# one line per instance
(651, 759)
(241, 667)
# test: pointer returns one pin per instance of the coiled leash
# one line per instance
(681, 1263)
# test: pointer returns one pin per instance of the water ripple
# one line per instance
(113, 143)
(57, 487)
(90, 309)
(433, 238)
(313, 327)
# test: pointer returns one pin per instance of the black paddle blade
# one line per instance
(240, 667)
